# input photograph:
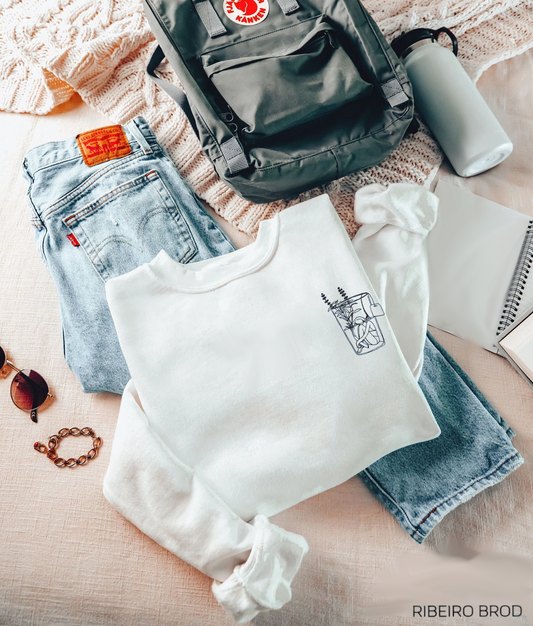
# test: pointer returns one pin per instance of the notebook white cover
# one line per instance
(472, 253)
(516, 344)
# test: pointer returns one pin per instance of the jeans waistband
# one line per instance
(139, 134)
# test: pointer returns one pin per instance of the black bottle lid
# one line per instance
(406, 40)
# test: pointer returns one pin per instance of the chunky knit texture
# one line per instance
(99, 48)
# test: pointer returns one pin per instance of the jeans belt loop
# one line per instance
(140, 138)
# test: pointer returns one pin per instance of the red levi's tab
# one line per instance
(103, 144)
(73, 240)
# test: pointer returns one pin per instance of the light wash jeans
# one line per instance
(121, 213)
(420, 484)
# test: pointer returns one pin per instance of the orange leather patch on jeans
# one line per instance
(103, 144)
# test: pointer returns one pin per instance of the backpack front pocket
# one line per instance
(283, 88)
(130, 225)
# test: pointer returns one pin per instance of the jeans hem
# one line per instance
(512, 463)
(420, 532)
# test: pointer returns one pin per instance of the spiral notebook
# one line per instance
(480, 254)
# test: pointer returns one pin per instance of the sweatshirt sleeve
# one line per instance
(253, 563)
(391, 246)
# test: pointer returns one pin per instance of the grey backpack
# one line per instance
(284, 95)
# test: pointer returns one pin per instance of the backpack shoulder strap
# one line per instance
(231, 149)
(209, 17)
(177, 94)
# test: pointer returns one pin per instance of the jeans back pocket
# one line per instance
(130, 225)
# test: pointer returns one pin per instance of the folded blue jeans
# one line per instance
(95, 222)
(421, 483)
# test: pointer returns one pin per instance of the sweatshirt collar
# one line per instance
(215, 272)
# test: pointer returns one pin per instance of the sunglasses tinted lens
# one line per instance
(2, 358)
(28, 390)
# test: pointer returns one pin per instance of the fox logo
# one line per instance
(246, 7)
(246, 12)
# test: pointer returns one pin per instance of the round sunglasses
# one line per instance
(29, 390)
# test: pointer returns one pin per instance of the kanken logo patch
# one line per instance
(103, 144)
(247, 12)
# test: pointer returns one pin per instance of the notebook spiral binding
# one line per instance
(518, 282)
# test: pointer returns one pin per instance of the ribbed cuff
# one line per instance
(263, 582)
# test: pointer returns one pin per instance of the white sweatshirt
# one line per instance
(259, 379)
(390, 245)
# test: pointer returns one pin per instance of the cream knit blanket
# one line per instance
(99, 48)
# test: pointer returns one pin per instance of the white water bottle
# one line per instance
(458, 116)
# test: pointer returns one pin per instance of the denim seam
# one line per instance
(139, 137)
(196, 199)
(56, 162)
(96, 204)
(102, 274)
(442, 504)
(41, 243)
(35, 217)
(181, 222)
(78, 191)
(473, 488)
(36, 220)
(387, 495)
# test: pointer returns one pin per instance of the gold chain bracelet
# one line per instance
(54, 441)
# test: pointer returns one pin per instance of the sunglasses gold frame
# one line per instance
(5, 368)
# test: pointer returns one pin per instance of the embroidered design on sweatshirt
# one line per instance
(357, 317)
